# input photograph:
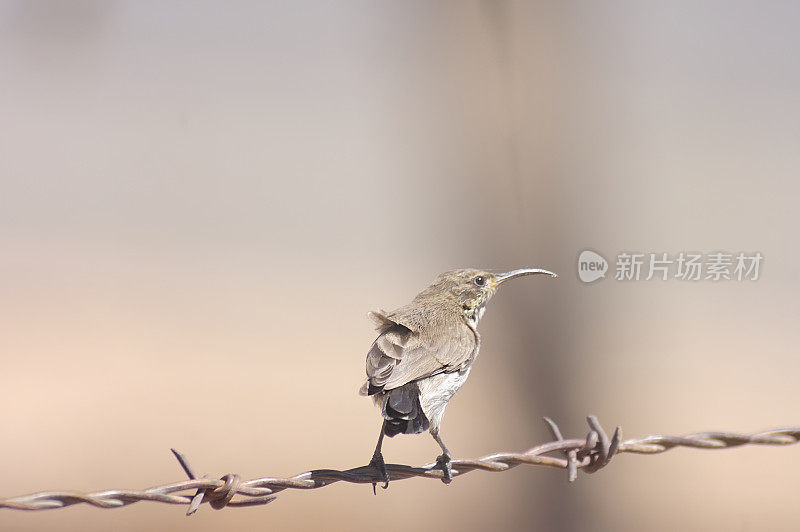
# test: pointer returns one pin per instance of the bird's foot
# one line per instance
(378, 464)
(444, 462)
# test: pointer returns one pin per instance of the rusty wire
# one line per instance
(590, 454)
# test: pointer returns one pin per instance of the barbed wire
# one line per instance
(590, 454)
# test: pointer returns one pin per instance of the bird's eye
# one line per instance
(480, 280)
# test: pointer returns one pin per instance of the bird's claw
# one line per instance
(444, 462)
(378, 464)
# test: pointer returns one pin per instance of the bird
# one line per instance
(424, 353)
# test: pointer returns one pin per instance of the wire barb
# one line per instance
(591, 454)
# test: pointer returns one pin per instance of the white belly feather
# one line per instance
(436, 391)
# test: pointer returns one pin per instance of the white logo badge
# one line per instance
(591, 266)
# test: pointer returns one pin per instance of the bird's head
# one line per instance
(471, 289)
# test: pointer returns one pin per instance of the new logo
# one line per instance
(591, 266)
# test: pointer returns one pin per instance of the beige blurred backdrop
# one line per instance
(199, 202)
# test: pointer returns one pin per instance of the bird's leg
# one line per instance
(377, 461)
(444, 460)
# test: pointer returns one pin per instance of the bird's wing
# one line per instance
(400, 355)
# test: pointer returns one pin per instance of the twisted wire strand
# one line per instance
(591, 453)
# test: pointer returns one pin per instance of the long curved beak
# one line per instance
(519, 273)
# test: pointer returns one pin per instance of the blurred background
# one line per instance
(199, 202)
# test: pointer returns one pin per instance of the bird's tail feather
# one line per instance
(403, 411)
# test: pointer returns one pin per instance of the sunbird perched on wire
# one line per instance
(424, 353)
